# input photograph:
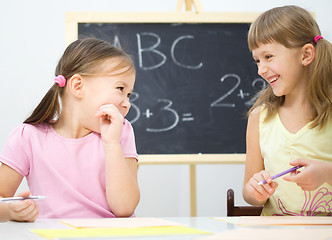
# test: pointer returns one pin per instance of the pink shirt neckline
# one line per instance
(72, 140)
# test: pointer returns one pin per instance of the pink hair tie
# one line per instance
(61, 80)
(317, 38)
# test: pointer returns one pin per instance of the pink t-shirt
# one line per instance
(69, 172)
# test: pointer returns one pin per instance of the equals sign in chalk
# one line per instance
(187, 117)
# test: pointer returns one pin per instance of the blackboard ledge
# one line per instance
(152, 159)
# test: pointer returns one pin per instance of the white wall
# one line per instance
(28, 57)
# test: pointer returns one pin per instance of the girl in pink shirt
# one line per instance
(76, 148)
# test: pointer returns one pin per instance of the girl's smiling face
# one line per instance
(281, 67)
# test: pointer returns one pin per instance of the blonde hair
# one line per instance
(84, 57)
(294, 27)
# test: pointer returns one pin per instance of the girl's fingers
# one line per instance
(109, 112)
(24, 209)
(274, 185)
(259, 188)
(261, 176)
(33, 215)
(293, 177)
(20, 205)
(108, 109)
(294, 173)
(266, 189)
(267, 176)
(300, 161)
(30, 208)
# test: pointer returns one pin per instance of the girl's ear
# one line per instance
(76, 86)
(308, 54)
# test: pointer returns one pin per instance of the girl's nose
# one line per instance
(262, 70)
(126, 103)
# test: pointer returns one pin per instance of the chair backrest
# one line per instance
(233, 211)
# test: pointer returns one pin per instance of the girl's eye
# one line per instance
(120, 88)
(128, 95)
(256, 61)
(268, 56)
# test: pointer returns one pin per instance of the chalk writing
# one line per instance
(173, 115)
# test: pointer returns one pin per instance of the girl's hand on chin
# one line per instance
(111, 122)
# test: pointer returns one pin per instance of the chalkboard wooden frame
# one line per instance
(74, 18)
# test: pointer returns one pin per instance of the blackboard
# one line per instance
(194, 84)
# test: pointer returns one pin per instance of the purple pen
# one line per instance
(281, 174)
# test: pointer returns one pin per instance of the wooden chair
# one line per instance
(233, 211)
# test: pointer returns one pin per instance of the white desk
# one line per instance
(20, 231)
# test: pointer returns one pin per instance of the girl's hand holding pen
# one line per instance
(312, 176)
(261, 192)
(23, 211)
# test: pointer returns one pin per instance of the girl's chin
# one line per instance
(277, 93)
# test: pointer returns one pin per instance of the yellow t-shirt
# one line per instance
(278, 148)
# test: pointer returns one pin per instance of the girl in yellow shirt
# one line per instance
(291, 122)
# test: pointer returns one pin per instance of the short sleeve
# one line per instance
(127, 141)
(15, 151)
